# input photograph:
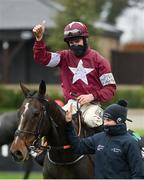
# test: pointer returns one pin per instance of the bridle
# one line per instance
(36, 133)
(37, 143)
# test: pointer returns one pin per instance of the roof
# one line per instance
(24, 14)
(108, 30)
(18, 17)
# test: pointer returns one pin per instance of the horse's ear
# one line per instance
(24, 89)
(42, 88)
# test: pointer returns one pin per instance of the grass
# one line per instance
(19, 175)
(140, 131)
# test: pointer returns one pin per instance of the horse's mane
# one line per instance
(56, 112)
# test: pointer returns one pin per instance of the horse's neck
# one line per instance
(56, 130)
(56, 113)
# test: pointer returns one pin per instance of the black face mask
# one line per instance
(79, 50)
(115, 129)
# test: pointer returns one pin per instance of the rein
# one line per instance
(78, 115)
(79, 118)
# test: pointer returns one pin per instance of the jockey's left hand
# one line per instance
(84, 99)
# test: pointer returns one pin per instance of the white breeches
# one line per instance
(92, 113)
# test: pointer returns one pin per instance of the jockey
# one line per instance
(85, 75)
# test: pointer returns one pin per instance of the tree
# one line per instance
(88, 12)
(115, 8)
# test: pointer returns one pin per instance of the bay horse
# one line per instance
(42, 117)
(8, 126)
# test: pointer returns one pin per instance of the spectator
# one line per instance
(117, 153)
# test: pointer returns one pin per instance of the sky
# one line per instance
(132, 23)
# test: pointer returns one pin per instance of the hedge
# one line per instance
(135, 97)
(10, 99)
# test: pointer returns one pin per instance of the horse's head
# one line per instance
(31, 116)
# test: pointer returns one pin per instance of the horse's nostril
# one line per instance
(18, 153)
(17, 156)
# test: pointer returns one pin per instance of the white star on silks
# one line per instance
(80, 72)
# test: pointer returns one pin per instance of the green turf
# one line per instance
(140, 131)
(19, 175)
